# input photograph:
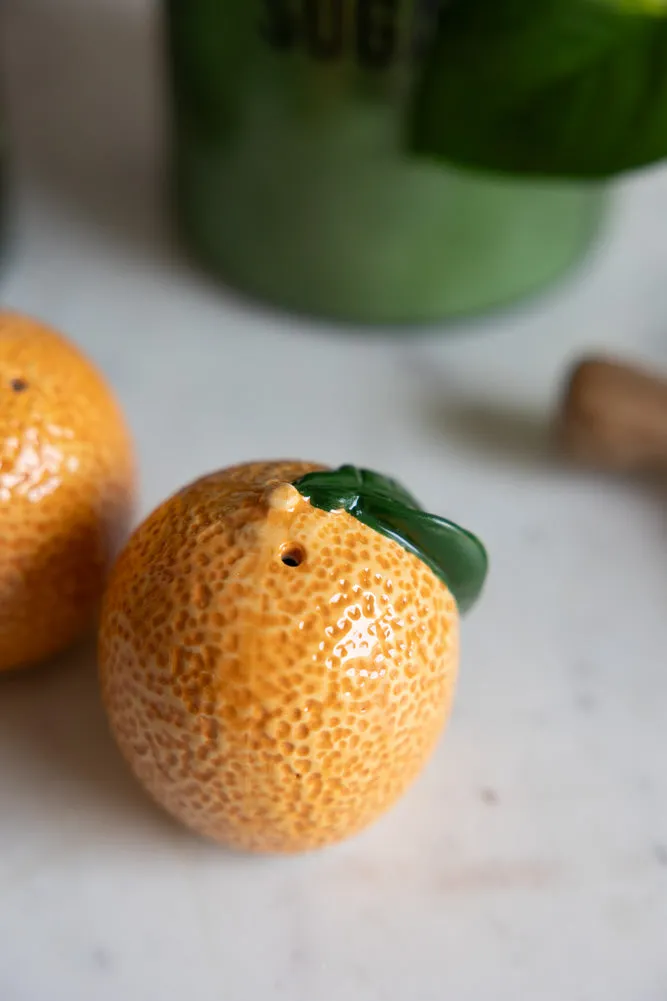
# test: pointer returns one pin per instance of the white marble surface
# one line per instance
(530, 861)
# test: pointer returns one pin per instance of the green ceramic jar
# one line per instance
(294, 181)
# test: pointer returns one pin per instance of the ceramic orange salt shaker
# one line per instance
(279, 649)
(66, 490)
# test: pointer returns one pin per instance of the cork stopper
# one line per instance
(614, 416)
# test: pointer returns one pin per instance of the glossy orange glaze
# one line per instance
(267, 705)
(66, 490)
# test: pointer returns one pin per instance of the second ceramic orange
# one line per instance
(67, 482)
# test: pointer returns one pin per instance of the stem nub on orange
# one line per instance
(66, 490)
(275, 674)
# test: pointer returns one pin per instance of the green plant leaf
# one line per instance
(453, 554)
(560, 88)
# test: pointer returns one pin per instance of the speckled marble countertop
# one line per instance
(530, 861)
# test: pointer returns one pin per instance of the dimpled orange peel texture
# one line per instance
(66, 490)
(276, 675)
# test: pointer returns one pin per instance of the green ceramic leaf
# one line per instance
(456, 556)
(563, 88)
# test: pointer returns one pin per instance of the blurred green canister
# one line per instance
(293, 179)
